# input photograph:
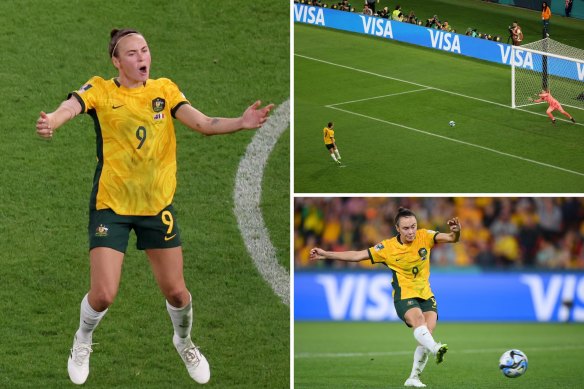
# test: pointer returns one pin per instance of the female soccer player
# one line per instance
(408, 257)
(554, 104)
(329, 142)
(134, 185)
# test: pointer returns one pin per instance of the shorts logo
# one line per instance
(379, 246)
(410, 302)
(423, 253)
(158, 104)
(167, 238)
(101, 231)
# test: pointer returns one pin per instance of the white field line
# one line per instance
(461, 142)
(426, 86)
(410, 352)
(247, 197)
(377, 97)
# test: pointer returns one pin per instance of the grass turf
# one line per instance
(221, 57)
(391, 104)
(379, 355)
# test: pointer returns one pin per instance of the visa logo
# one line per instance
(310, 15)
(358, 297)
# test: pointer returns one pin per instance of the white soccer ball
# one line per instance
(451, 123)
(513, 363)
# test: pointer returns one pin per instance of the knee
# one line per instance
(101, 299)
(417, 320)
(177, 297)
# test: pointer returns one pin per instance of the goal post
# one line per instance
(547, 64)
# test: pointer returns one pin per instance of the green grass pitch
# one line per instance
(391, 104)
(223, 56)
(380, 355)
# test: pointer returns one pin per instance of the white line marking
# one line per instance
(400, 353)
(247, 198)
(461, 142)
(378, 97)
(429, 87)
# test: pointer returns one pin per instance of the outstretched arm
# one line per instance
(253, 117)
(348, 256)
(47, 123)
(453, 236)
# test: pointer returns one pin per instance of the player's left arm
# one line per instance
(453, 236)
(253, 117)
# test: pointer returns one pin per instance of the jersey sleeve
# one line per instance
(174, 96)
(88, 94)
(377, 253)
(431, 237)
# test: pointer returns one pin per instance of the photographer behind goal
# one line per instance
(516, 34)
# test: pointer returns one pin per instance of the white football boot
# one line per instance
(414, 382)
(78, 363)
(196, 363)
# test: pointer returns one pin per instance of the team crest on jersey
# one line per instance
(158, 104)
(101, 231)
(379, 246)
(423, 253)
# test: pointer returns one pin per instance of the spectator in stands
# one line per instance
(529, 236)
(367, 11)
(411, 18)
(550, 217)
(396, 12)
(516, 34)
(384, 13)
(568, 8)
(371, 4)
(546, 14)
(446, 26)
(433, 22)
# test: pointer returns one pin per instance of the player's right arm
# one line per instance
(49, 122)
(347, 256)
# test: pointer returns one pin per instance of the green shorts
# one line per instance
(402, 306)
(108, 229)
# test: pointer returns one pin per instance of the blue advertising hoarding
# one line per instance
(497, 52)
(491, 296)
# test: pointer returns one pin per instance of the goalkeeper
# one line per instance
(554, 104)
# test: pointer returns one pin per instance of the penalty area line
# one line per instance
(378, 97)
(462, 142)
(307, 355)
(247, 197)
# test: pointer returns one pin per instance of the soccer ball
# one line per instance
(513, 363)
(451, 123)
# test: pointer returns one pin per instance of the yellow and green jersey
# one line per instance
(136, 144)
(329, 135)
(410, 264)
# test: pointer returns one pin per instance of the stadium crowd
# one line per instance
(542, 233)
(398, 15)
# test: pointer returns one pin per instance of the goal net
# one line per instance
(547, 64)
